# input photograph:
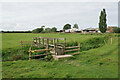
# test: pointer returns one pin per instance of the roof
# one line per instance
(91, 29)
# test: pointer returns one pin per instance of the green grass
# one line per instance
(11, 40)
(14, 52)
(84, 65)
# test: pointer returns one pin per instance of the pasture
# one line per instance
(11, 40)
(99, 62)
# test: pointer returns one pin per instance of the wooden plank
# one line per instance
(56, 57)
(59, 47)
(51, 45)
(72, 50)
(53, 52)
(41, 50)
(76, 53)
(72, 47)
(60, 38)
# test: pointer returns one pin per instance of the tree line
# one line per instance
(53, 29)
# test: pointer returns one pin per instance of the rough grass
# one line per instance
(100, 62)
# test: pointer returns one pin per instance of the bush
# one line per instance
(116, 30)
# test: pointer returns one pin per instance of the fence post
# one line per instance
(54, 45)
(79, 47)
(57, 41)
(36, 41)
(21, 43)
(30, 54)
(64, 45)
(39, 42)
(43, 41)
(47, 45)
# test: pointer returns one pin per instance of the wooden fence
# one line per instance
(31, 51)
(56, 46)
(73, 48)
(26, 43)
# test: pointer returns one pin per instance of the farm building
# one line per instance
(93, 30)
(72, 30)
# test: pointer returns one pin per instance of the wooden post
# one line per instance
(54, 46)
(36, 42)
(30, 54)
(64, 45)
(57, 41)
(47, 45)
(39, 42)
(79, 46)
(21, 43)
(111, 40)
(43, 41)
(52, 41)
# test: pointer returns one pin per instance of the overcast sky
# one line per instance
(31, 15)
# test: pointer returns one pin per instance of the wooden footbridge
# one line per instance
(55, 46)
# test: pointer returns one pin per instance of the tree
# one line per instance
(54, 29)
(75, 26)
(38, 30)
(67, 26)
(116, 30)
(102, 21)
(47, 30)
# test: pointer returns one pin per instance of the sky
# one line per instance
(30, 15)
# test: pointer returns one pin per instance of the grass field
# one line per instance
(11, 40)
(99, 62)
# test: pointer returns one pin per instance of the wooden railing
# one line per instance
(32, 51)
(26, 43)
(73, 48)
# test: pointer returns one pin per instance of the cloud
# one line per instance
(27, 16)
